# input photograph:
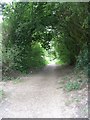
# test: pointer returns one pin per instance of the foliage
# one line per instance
(0, 50)
(62, 52)
(71, 30)
(36, 56)
(9, 54)
(72, 85)
(74, 81)
(82, 60)
(1, 94)
(12, 58)
(60, 28)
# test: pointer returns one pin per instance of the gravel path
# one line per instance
(38, 96)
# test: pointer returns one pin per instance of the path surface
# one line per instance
(38, 96)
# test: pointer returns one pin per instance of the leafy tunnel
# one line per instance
(35, 33)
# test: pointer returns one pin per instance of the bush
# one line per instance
(8, 55)
(82, 60)
(62, 52)
(14, 58)
(36, 56)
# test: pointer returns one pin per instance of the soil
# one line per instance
(39, 95)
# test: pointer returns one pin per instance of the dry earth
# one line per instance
(40, 96)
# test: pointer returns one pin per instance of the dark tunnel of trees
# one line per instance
(34, 32)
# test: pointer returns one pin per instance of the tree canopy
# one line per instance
(37, 26)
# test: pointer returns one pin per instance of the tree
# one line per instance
(63, 23)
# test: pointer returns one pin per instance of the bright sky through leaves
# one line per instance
(6, 1)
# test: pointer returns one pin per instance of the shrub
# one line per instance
(82, 60)
(23, 60)
(37, 56)
(8, 55)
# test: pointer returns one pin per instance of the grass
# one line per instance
(13, 79)
(17, 80)
(74, 81)
(69, 86)
(1, 94)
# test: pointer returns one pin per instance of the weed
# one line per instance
(69, 86)
(17, 80)
(1, 94)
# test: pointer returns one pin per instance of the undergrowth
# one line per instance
(74, 81)
(1, 94)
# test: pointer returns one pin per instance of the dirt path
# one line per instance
(38, 96)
